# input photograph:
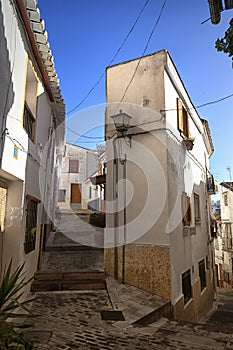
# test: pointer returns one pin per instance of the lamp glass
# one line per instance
(121, 121)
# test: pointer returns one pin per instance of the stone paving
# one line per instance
(72, 320)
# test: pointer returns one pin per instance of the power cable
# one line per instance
(144, 51)
(83, 136)
(111, 61)
(202, 105)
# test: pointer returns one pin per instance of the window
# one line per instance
(225, 199)
(31, 223)
(30, 105)
(186, 208)
(182, 119)
(61, 195)
(202, 274)
(197, 212)
(29, 122)
(186, 286)
(90, 192)
(3, 193)
(73, 166)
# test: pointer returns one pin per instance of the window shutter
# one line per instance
(180, 124)
(73, 166)
(186, 209)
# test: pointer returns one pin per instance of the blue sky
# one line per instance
(84, 36)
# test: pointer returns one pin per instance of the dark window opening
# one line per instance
(31, 223)
(202, 274)
(186, 286)
(29, 122)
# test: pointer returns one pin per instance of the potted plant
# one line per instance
(11, 291)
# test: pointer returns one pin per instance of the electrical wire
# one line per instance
(144, 51)
(83, 136)
(111, 61)
(200, 106)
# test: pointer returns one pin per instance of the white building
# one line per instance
(158, 221)
(77, 189)
(31, 110)
(225, 267)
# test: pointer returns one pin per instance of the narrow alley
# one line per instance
(108, 317)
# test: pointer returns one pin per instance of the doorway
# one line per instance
(75, 196)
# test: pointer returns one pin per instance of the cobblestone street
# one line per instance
(72, 320)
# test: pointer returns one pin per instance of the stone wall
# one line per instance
(146, 267)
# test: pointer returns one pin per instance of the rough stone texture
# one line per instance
(146, 267)
(74, 320)
(199, 305)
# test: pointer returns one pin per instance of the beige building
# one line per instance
(225, 246)
(32, 134)
(158, 235)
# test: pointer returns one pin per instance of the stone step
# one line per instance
(56, 285)
(162, 311)
(74, 275)
(71, 247)
(77, 280)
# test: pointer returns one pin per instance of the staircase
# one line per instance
(68, 265)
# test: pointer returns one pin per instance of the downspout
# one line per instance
(115, 181)
(124, 242)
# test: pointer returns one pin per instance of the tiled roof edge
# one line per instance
(41, 39)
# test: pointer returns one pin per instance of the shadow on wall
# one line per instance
(6, 84)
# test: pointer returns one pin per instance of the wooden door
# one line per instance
(76, 196)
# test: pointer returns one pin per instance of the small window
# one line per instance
(202, 274)
(186, 207)
(3, 194)
(73, 166)
(61, 195)
(31, 224)
(29, 122)
(186, 286)
(182, 119)
(197, 211)
(225, 199)
(90, 192)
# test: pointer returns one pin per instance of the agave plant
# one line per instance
(11, 291)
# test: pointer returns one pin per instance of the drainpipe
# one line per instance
(124, 241)
(115, 181)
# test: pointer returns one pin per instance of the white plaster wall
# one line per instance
(24, 171)
(226, 211)
(66, 178)
(180, 169)
(186, 174)
(14, 123)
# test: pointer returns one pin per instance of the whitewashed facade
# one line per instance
(163, 234)
(31, 110)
